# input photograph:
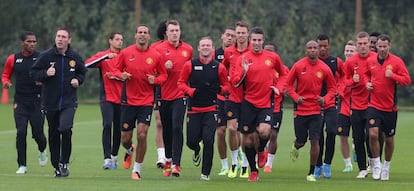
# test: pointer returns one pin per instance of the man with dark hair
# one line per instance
(255, 71)
(61, 70)
(233, 103)
(270, 151)
(270, 46)
(173, 101)
(356, 69)
(386, 71)
(310, 74)
(141, 68)
(227, 39)
(330, 113)
(202, 79)
(110, 99)
(26, 99)
(157, 96)
(373, 37)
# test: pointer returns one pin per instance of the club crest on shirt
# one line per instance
(229, 114)
(72, 63)
(184, 54)
(389, 67)
(319, 74)
(245, 128)
(268, 62)
(125, 125)
(149, 61)
(372, 121)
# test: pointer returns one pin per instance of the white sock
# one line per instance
(161, 153)
(137, 167)
(224, 163)
(245, 162)
(376, 161)
(387, 164)
(234, 155)
(348, 162)
(114, 157)
(270, 158)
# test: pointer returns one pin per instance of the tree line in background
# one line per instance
(289, 24)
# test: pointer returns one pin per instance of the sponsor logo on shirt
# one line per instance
(199, 68)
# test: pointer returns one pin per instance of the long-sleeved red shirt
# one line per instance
(139, 63)
(344, 93)
(183, 85)
(345, 101)
(309, 78)
(111, 89)
(383, 95)
(281, 81)
(259, 77)
(231, 54)
(178, 56)
(359, 93)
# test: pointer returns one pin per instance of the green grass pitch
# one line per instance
(87, 159)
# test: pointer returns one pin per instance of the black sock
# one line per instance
(251, 157)
(311, 169)
(262, 144)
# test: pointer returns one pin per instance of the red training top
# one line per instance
(309, 78)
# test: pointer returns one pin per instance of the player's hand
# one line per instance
(111, 55)
(245, 66)
(275, 90)
(151, 78)
(74, 82)
(168, 64)
(369, 86)
(321, 101)
(51, 71)
(300, 100)
(37, 83)
(7, 85)
(356, 78)
(126, 76)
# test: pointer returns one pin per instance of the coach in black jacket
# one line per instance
(61, 70)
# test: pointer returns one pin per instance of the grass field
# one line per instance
(87, 158)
